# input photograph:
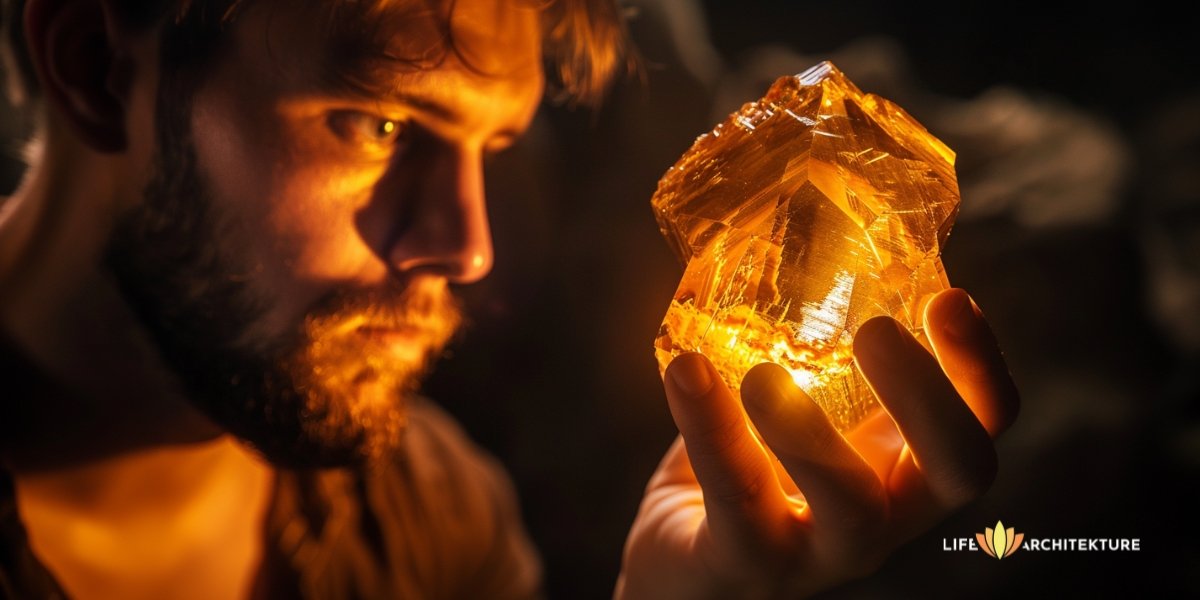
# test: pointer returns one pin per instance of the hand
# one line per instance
(723, 518)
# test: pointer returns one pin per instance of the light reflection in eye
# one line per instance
(366, 130)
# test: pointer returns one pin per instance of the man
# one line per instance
(231, 260)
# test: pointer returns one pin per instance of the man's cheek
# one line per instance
(313, 232)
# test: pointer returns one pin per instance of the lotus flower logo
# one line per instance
(999, 542)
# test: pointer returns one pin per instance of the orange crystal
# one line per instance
(799, 218)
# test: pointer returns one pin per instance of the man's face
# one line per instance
(294, 252)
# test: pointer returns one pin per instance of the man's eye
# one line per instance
(363, 129)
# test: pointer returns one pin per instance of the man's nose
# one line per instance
(448, 233)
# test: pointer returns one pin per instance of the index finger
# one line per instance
(741, 492)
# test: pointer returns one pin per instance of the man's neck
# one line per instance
(125, 489)
(61, 310)
(184, 521)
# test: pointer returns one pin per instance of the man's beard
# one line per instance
(325, 394)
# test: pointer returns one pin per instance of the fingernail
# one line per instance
(879, 339)
(961, 316)
(691, 375)
(762, 388)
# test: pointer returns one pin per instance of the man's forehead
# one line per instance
(376, 44)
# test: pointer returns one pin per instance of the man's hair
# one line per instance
(585, 43)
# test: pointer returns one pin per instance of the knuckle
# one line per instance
(716, 441)
(746, 492)
(861, 524)
(964, 484)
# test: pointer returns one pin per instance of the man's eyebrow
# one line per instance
(504, 136)
(432, 96)
(361, 80)
(425, 105)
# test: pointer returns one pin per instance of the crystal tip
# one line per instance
(818, 73)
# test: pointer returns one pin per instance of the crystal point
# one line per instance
(800, 217)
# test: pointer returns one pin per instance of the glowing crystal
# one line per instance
(800, 217)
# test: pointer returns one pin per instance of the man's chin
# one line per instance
(336, 403)
(337, 398)
(296, 433)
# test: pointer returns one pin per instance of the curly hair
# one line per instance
(585, 42)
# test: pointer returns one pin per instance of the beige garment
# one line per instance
(439, 521)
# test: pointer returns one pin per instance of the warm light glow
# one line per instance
(800, 217)
(804, 379)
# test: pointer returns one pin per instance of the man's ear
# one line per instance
(74, 49)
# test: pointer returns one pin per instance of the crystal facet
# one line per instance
(799, 218)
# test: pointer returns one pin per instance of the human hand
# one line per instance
(724, 518)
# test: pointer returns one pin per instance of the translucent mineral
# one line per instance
(800, 217)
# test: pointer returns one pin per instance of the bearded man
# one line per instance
(230, 263)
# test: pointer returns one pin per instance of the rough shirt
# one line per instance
(439, 520)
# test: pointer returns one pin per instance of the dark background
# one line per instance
(558, 378)
(556, 375)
